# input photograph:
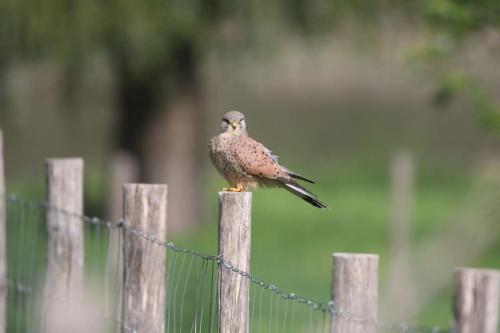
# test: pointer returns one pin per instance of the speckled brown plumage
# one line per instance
(246, 163)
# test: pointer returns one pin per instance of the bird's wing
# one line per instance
(258, 160)
(270, 153)
(255, 159)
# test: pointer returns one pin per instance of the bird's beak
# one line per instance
(233, 124)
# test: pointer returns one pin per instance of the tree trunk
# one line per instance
(164, 129)
(137, 101)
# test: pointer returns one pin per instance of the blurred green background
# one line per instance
(335, 88)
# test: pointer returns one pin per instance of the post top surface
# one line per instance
(64, 160)
(481, 271)
(226, 197)
(354, 255)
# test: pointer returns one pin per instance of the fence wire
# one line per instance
(191, 281)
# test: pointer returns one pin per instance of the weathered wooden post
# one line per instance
(3, 254)
(399, 288)
(123, 169)
(145, 216)
(234, 249)
(354, 293)
(476, 300)
(64, 275)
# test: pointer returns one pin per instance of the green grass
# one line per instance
(292, 242)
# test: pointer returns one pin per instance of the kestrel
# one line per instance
(246, 163)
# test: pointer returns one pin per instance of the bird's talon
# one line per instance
(232, 189)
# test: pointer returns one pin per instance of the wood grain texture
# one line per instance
(145, 213)
(65, 248)
(234, 248)
(476, 300)
(64, 229)
(123, 169)
(354, 292)
(3, 254)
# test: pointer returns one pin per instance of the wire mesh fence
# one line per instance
(27, 296)
(190, 277)
(191, 295)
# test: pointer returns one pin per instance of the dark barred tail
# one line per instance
(297, 176)
(296, 189)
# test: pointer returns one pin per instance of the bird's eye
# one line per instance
(242, 120)
(225, 120)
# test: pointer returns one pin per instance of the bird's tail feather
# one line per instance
(296, 189)
(297, 176)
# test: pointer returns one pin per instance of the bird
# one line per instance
(246, 163)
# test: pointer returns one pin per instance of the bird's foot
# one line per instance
(232, 189)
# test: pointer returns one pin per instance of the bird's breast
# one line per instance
(219, 149)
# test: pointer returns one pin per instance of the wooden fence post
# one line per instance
(354, 292)
(3, 254)
(145, 216)
(234, 249)
(123, 169)
(64, 275)
(399, 288)
(476, 300)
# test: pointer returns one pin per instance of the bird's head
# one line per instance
(233, 123)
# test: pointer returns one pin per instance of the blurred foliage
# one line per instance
(454, 23)
(150, 38)
(146, 33)
(155, 45)
(462, 17)
(455, 80)
(70, 30)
